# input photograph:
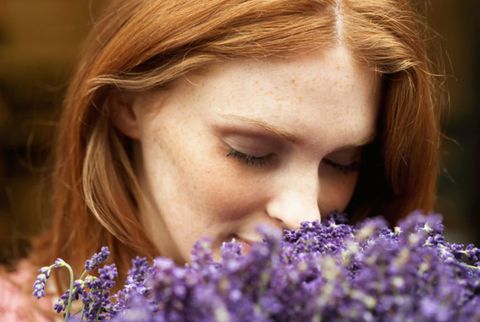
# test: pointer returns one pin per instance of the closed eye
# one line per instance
(344, 168)
(251, 160)
(266, 160)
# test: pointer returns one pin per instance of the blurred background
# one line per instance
(40, 41)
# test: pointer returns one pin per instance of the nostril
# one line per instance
(277, 221)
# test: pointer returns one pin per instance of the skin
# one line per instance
(194, 186)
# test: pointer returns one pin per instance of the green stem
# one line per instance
(70, 294)
(83, 275)
(470, 266)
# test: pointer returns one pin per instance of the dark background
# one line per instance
(40, 41)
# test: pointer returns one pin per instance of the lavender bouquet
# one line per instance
(328, 271)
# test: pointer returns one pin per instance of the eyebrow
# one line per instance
(275, 131)
(284, 134)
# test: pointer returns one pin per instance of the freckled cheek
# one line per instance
(224, 192)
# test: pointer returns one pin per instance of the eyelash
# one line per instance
(251, 160)
(344, 168)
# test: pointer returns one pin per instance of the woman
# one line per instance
(193, 118)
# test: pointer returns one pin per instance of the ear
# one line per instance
(124, 114)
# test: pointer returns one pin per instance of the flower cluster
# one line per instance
(93, 291)
(328, 271)
(44, 274)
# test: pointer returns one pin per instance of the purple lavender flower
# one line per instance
(61, 303)
(134, 284)
(326, 271)
(97, 259)
(322, 271)
(42, 277)
(40, 281)
(96, 295)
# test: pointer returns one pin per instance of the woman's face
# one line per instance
(251, 142)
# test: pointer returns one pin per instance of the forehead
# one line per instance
(323, 96)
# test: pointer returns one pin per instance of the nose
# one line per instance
(293, 205)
